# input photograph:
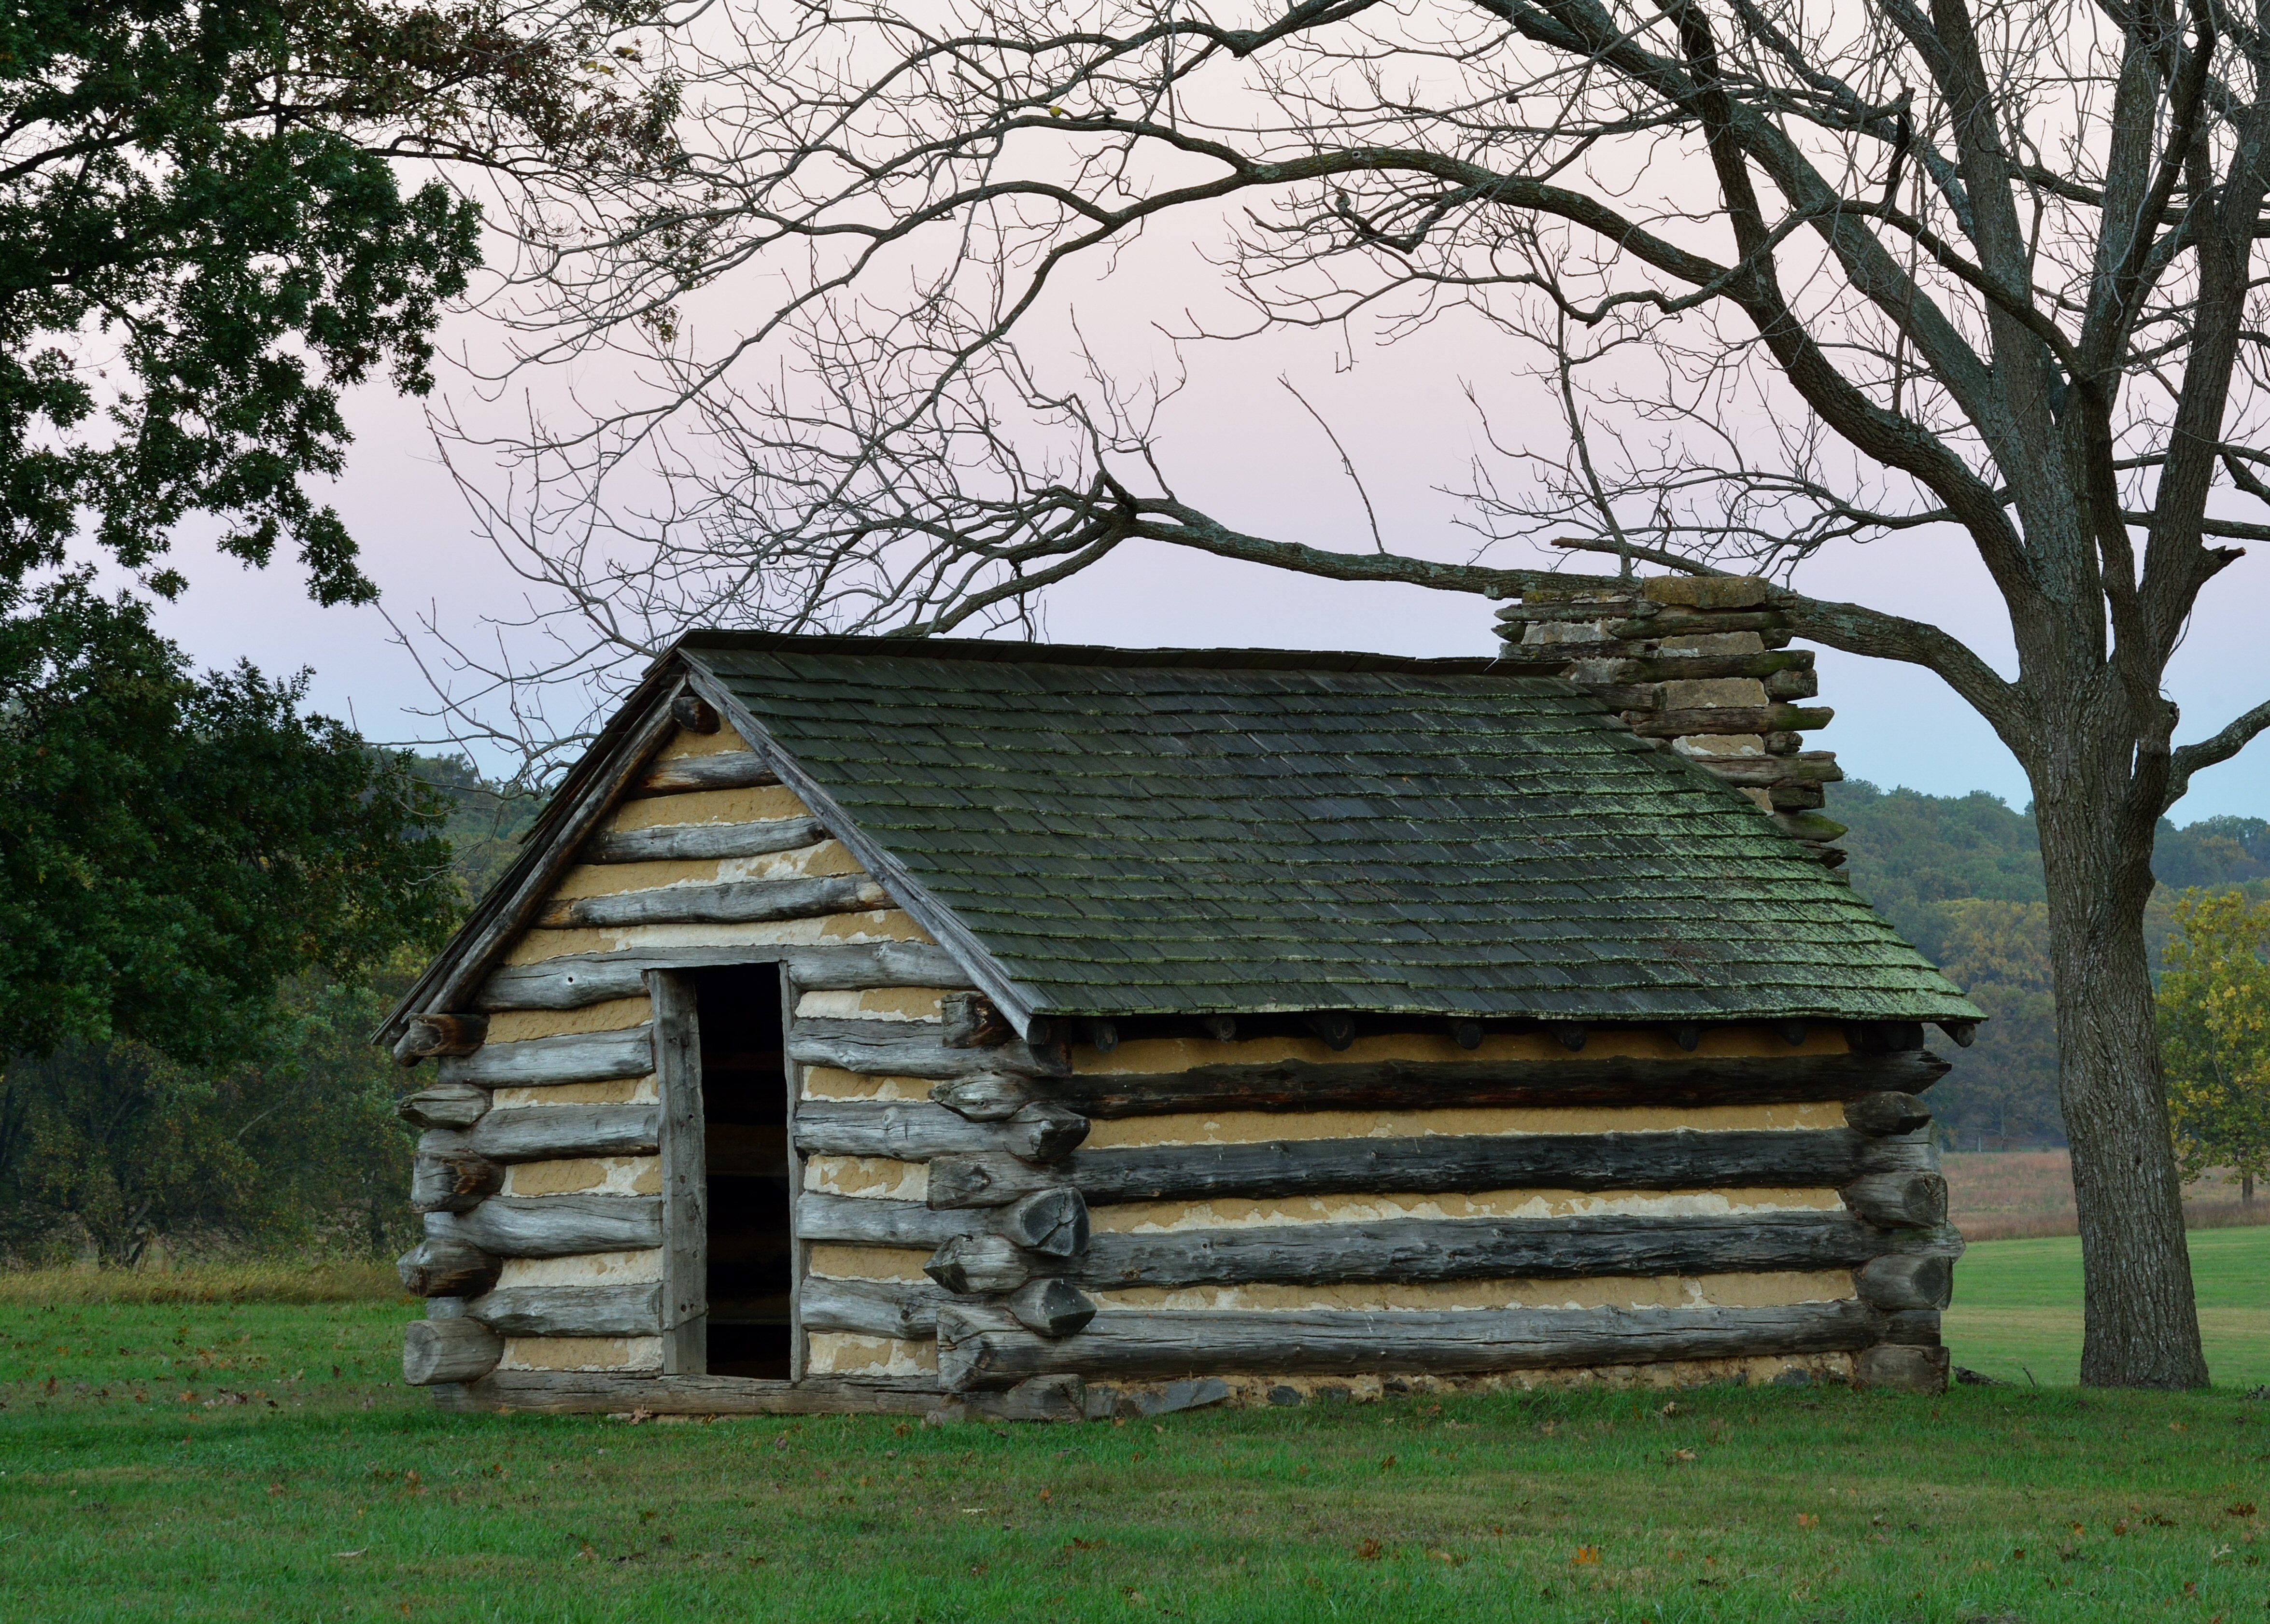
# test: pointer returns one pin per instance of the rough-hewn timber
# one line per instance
(741, 902)
(448, 1350)
(916, 1133)
(601, 1392)
(705, 842)
(577, 981)
(555, 1226)
(570, 1310)
(549, 1133)
(583, 1058)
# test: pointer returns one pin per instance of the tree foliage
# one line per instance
(2215, 1018)
(173, 846)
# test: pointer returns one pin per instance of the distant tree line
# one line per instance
(1961, 877)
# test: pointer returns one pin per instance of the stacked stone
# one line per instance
(1701, 667)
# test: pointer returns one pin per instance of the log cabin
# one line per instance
(1048, 1031)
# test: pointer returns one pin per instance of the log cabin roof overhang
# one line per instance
(1132, 834)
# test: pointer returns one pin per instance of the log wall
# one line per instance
(1274, 1211)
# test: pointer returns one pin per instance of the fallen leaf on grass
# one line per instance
(1805, 1519)
(1445, 1557)
(1678, 1456)
(2245, 1508)
(1587, 1556)
(1368, 1552)
(348, 1555)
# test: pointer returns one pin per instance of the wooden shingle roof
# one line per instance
(1180, 832)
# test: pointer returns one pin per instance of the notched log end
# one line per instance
(693, 713)
(974, 1021)
(439, 1035)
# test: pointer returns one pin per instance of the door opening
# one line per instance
(745, 1113)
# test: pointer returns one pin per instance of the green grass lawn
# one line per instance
(215, 1462)
(2017, 1308)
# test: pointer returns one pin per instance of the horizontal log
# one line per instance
(453, 1183)
(448, 1350)
(588, 1393)
(1807, 767)
(871, 1308)
(1424, 1251)
(447, 1266)
(1665, 665)
(989, 1098)
(1680, 1159)
(444, 1106)
(914, 1133)
(570, 1310)
(550, 1132)
(1777, 718)
(986, 1263)
(1313, 1085)
(864, 1222)
(1899, 1200)
(727, 769)
(578, 981)
(1917, 1327)
(432, 1034)
(886, 1052)
(1887, 1113)
(705, 842)
(582, 1058)
(1165, 1343)
(1671, 623)
(555, 1226)
(741, 902)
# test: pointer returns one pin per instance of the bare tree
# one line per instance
(1791, 274)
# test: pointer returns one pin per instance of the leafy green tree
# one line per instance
(2215, 1025)
(173, 846)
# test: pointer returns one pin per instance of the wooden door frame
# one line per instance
(684, 1175)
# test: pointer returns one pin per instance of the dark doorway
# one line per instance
(745, 1113)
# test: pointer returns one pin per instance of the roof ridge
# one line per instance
(984, 651)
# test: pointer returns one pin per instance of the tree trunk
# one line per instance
(2141, 1318)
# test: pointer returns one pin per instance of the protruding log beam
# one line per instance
(1314, 1085)
(444, 1106)
(883, 1052)
(1053, 1223)
(1680, 1159)
(863, 1221)
(871, 1307)
(555, 1226)
(987, 1098)
(1899, 1200)
(1221, 1028)
(907, 1132)
(1887, 1113)
(1335, 1029)
(1164, 1344)
(434, 1034)
(974, 1021)
(705, 842)
(733, 769)
(1425, 1250)
(447, 1266)
(583, 1058)
(1904, 1281)
(693, 713)
(974, 1263)
(449, 1350)
(744, 902)
(570, 1310)
(552, 1133)
(1964, 1032)
(1051, 1307)
(456, 1183)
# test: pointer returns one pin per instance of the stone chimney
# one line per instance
(1700, 665)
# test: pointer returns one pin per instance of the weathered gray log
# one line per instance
(1052, 1223)
(549, 1133)
(1905, 1281)
(448, 1350)
(988, 1098)
(976, 1263)
(444, 1105)
(582, 1058)
(1680, 1159)
(694, 714)
(727, 769)
(577, 981)
(1887, 1113)
(438, 1033)
(447, 1266)
(1415, 1250)
(1312, 1086)
(1043, 1399)
(555, 1226)
(445, 1308)
(974, 1021)
(888, 1053)
(570, 1310)
(704, 842)
(1156, 1344)
(1049, 1308)
(740, 901)
(1901, 1367)
(1899, 1200)
(864, 1222)
(456, 1182)
(584, 1392)
(1917, 1327)
(684, 1144)
(912, 1132)
(871, 1307)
